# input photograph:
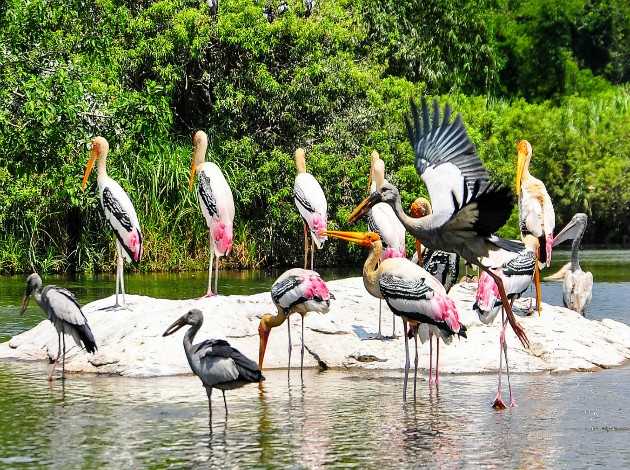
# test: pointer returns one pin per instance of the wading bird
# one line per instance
(467, 210)
(217, 205)
(441, 265)
(577, 288)
(119, 213)
(295, 291)
(311, 204)
(382, 220)
(214, 361)
(516, 270)
(536, 214)
(64, 312)
(410, 292)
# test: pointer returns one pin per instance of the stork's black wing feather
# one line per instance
(206, 195)
(111, 204)
(279, 289)
(436, 142)
(247, 369)
(300, 198)
(522, 265)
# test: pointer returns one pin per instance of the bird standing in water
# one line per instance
(410, 292)
(516, 271)
(217, 206)
(312, 206)
(577, 286)
(65, 313)
(295, 291)
(119, 213)
(214, 361)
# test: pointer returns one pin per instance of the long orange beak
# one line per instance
(419, 251)
(193, 170)
(89, 168)
(364, 206)
(520, 167)
(263, 333)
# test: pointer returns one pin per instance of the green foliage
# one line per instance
(147, 74)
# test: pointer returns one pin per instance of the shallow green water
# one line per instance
(339, 418)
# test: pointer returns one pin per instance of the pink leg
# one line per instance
(507, 366)
(437, 361)
(431, 380)
(498, 400)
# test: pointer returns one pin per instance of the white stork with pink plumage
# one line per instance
(119, 213)
(217, 205)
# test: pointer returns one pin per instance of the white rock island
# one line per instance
(130, 342)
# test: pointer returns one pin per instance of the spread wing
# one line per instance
(445, 157)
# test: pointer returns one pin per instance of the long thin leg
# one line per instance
(122, 275)
(225, 403)
(210, 293)
(117, 275)
(302, 357)
(209, 393)
(394, 326)
(415, 362)
(63, 361)
(437, 360)
(312, 253)
(431, 379)
(520, 333)
(406, 361)
(54, 364)
(305, 246)
(289, 333)
(507, 365)
(498, 400)
(380, 306)
(216, 275)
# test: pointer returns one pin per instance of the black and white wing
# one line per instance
(207, 200)
(122, 218)
(445, 157)
(301, 287)
(310, 201)
(443, 266)
(65, 313)
(222, 363)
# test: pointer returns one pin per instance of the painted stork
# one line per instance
(441, 265)
(214, 361)
(517, 271)
(467, 210)
(119, 213)
(410, 292)
(217, 205)
(311, 204)
(536, 214)
(382, 220)
(65, 313)
(577, 288)
(295, 291)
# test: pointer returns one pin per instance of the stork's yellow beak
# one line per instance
(361, 238)
(193, 170)
(364, 206)
(89, 167)
(521, 148)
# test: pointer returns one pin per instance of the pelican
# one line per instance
(382, 220)
(467, 210)
(214, 361)
(536, 214)
(217, 205)
(516, 270)
(410, 292)
(577, 288)
(65, 313)
(119, 213)
(295, 291)
(311, 204)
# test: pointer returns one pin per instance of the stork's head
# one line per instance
(200, 145)
(33, 284)
(421, 207)
(524, 151)
(193, 318)
(98, 149)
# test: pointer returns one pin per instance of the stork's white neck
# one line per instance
(101, 165)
